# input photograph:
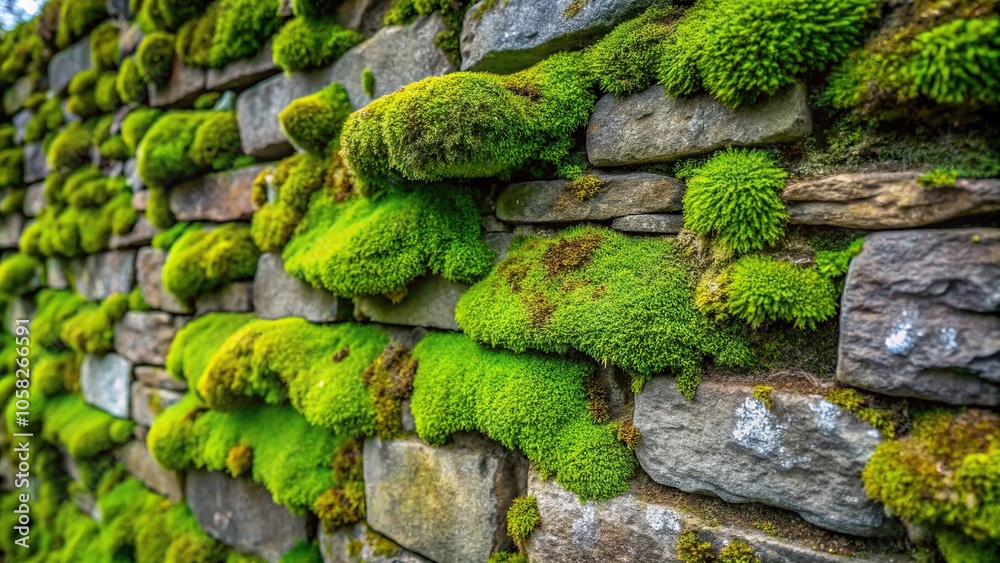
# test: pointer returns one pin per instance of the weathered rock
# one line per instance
(129, 40)
(554, 201)
(158, 377)
(10, 230)
(140, 235)
(887, 200)
(144, 337)
(429, 302)
(17, 94)
(500, 243)
(653, 223)
(131, 171)
(365, 16)
(242, 514)
(20, 121)
(34, 199)
(18, 308)
(119, 9)
(235, 297)
(919, 316)
(242, 73)
(360, 543)
(138, 461)
(140, 200)
(277, 294)
(804, 454)
(66, 63)
(102, 274)
(104, 381)
(182, 87)
(490, 224)
(448, 503)
(55, 274)
(220, 197)
(652, 127)
(36, 166)
(149, 267)
(149, 402)
(516, 34)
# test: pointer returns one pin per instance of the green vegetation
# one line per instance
(313, 122)
(834, 263)
(624, 301)
(305, 43)
(303, 552)
(471, 124)
(155, 57)
(452, 12)
(763, 289)
(106, 92)
(129, 83)
(183, 144)
(242, 28)
(763, 394)
(104, 46)
(83, 430)
(196, 343)
(93, 330)
(167, 237)
(690, 549)
(535, 403)
(71, 147)
(295, 179)
(115, 149)
(82, 101)
(136, 124)
(368, 82)
(204, 260)
(625, 61)
(16, 273)
(375, 246)
(522, 518)
(866, 408)
(207, 100)
(77, 18)
(11, 167)
(158, 208)
(47, 118)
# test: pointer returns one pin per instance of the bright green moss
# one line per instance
(742, 50)
(82, 100)
(690, 549)
(158, 208)
(625, 61)
(155, 57)
(54, 309)
(136, 302)
(183, 144)
(303, 552)
(106, 92)
(16, 273)
(958, 62)
(48, 117)
(535, 403)
(735, 198)
(471, 124)
(375, 246)
(115, 149)
(196, 343)
(93, 330)
(136, 124)
(7, 134)
(295, 179)
(129, 83)
(368, 82)
(76, 18)
(175, 12)
(619, 300)
(71, 147)
(207, 100)
(11, 167)
(84, 431)
(763, 289)
(167, 237)
(737, 551)
(104, 46)
(242, 29)
(522, 518)
(12, 201)
(202, 261)
(194, 38)
(313, 9)
(216, 143)
(313, 122)
(507, 557)
(956, 547)
(305, 43)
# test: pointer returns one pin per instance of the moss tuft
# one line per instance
(204, 260)
(763, 394)
(77, 18)
(690, 549)
(183, 144)
(17, 271)
(628, 434)
(522, 518)
(303, 552)
(136, 124)
(305, 43)
(11, 167)
(104, 46)
(625, 60)
(866, 408)
(92, 330)
(368, 82)
(390, 378)
(154, 58)
(84, 431)
(313, 122)
(129, 83)
(763, 289)
(48, 117)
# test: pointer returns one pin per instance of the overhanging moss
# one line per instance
(204, 260)
(194, 345)
(84, 431)
(183, 144)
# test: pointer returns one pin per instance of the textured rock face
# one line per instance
(66, 63)
(10, 230)
(654, 223)
(148, 402)
(158, 377)
(184, 85)
(652, 127)
(55, 274)
(140, 235)
(235, 297)
(516, 34)
(144, 467)
(216, 197)
(804, 454)
(242, 514)
(365, 16)
(360, 543)
(887, 200)
(448, 504)
(104, 381)
(34, 199)
(240, 74)
(17, 308)
(145, 338)
(429, 302)
(277, 294)
(149, 264)
(919, 316)
(36, 166)
(555, 201)
(100, 275)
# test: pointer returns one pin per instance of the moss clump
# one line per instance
(625, 61)
(305, 43)
(204, 260)
(763, 394)
(7, 133)
(690, 549)
(17, 271)
(47, 117)
(242, 28)
(619, 300)
(377, 246)
(528, 401)
(742, 50)
(154, 58)
(129, 83)
(763, 289)
(136, 124)
(628, 434)
(507, 557)
(104, 46)
(77, 18)
(136, 302)
(194, 38)
(13, 200)
(303, 552)
(834, 263)
(167, 237)
(522, 518)
(183, 144)
(738, 551)
(92, 331)
(71, 147)
(390, 378)
(295, 179)
(82, 101)
(866, 408)
(313, 122)
(471, 124)
(11, 167)
(158, 208)
(83, 430)
(368, 82)
(115, 149)
(196, 343)
(735, 197)
(207, 100)
(106, 92)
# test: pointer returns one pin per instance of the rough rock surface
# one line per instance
(554, 201)
(100, 275)
(804, 454)
(652, 127)
(34, 199)
(653, 223)
(277, 294)
(55, 274)
(887, 200)
(36, 166)
(242, 514)
(359, 542)
(17, 308)
(365, 16)
(158, 377)
(104, 381)
(144, 467)
(919, 316)
(184, 85)
(220, 197)
(149, 266)
(66, 63)
(430, 302)
(140, 235)
(449, 503)
(145, 337)
(10, 230)
(240, 74)
(149, 402)
(515, 34)
(235, 297)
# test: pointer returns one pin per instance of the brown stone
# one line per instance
(184, 85)
(145, 337)
(149, 402)
(144, 467)
(235, 297)
(154, 376)
(149, 271)
(220, 197)
(140, 235)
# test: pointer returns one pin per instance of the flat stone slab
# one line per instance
(99, 275)
(220, 197)
(449, 503)
(184, 85)
(246, 72)
(144, 467)
(66, 63)
(149, 402)
(804, 454)
(887, 200)
(34, 199)
(140, 235)
(652, 127)
(104, 382)
(36, 166)
(918, 316)
(10, 230)
(361, 543)
(234, 297)
(55, 274)
(158, 377)
(653, 223)
(149, 269)
(145, 337)
(242, 514)
(554, 201)
(18, 308)
(277, 294)
(430, 302)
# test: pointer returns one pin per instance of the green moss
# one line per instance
(48, 117)
(16, 273)
(84, 431)
(183, 144)
(313, 122)
(295, 179)
(763, 394)
(390, 378)
(92, 330)
(625, 61)
(11, 167)
(866, 408)
(368, 82)
(154, 58)
(13, 200)
(619, 300)
(242, 28)
(507, 557)
(104, 46)
(742, 50)
(135, 125)
(834, 263)
(303, 552)
(470, 124)
(735, 198)
(82, 100)
(167, 237)
(115, 149)
(54, 309)
(956, 547)
(158, 208)
(194, 38)
(175, 12)
(196, 343)
(535, 403)
(7, 133)
(76, 18)
(71, 147)
(376, 246)
(207, 100)
(738, 551)
(958, 62)
(205, 260)
(690, 549)
(136, 302)
(305, 43)
(763, 289)
(129, 83)
(106, 92)
(522, 518)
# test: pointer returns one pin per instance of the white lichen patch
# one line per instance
(585, 528)
(659, 518)
(900, 339)
(825, 414)
(756, 429)
(948, 338)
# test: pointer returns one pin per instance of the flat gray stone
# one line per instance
(277, 294)
(238, 75)
(17, 94)
(219, 197)
(184, 85)
(34, 199)
(243, 514)
(365, 16)
(36, 166)
(490, 224)
(104, 381)
(10, 230)
(448, 504)
(131, 171)
(651, 127)
(99, 275)
(653, 223)
(804, 454)
(140, 235)
(20, 121)
(149, 270)
(145, 337)
(18, 308)
(234, 297)
(55, 274)
(516, 34)
(887, 200)
(553, 201)
(149, 402)
(430, 302)
(144, 467)
(360, 543)
(66, 63)
(918, 316)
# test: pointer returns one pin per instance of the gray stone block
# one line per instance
(234, 297)
(140, 235)
(34, 199)
(220, 197)
(184, 85)
(99, 275)
(158, 377)
(359, 542)
(429, 302)
(653, 223)
(246, 72)
(141, 464)
(148, 402)
(277, 294)
(36, 166)
(145, 337)
(104, 382)
(66, 63)
(149, 269)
